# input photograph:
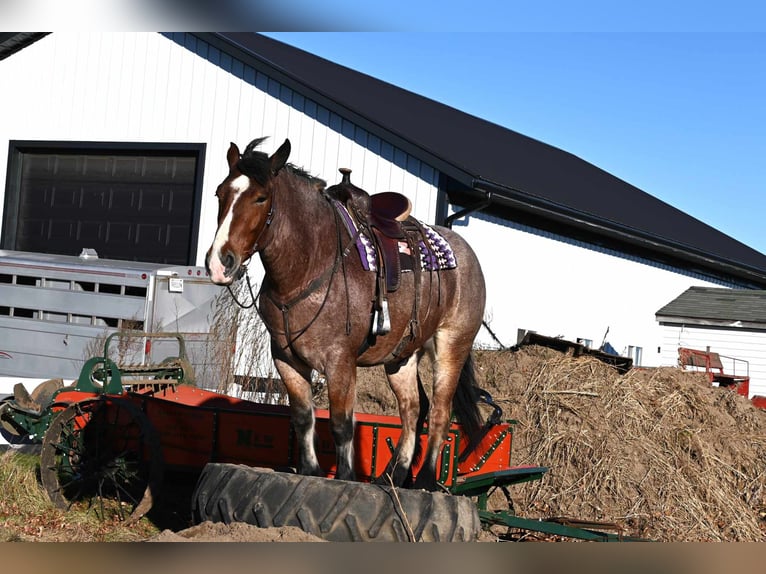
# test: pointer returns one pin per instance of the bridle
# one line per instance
(243, 268)
(269, 217)
(285, 307)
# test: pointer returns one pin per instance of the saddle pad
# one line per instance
(364, 245)
(438, 254)
(435, 253)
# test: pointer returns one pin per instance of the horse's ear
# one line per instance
(232, 156)
(279, 159)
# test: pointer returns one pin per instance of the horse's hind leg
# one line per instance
(302, 417)
(451, 352)
(403, 379)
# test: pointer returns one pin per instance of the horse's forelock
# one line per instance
(255, 164)
(250, 149)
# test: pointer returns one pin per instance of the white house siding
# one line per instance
(556, 287)
(146, 87)
(748, 345)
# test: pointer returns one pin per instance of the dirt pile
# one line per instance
(658, 451)
(235, 532)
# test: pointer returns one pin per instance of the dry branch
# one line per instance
(571, 392)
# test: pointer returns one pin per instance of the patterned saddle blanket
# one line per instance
(434, 251)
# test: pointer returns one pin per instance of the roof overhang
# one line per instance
(604, 232)
(711, 323)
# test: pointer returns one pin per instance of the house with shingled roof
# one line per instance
(728, 322)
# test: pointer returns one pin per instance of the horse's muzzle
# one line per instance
(223, 268)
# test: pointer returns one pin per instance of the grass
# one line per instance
(27, 514)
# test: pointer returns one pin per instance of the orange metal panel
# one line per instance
(196, 426)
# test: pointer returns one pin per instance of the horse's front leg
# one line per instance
(302, 416)
(341, 392)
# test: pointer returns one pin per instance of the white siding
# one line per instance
(144, 87)
(557, 288)
(738, 343)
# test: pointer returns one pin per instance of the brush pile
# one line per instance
(659, 452)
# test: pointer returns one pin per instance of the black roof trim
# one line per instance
(622, 237)
(12, 42)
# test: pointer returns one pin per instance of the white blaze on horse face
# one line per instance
(217, 269)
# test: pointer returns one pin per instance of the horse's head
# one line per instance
(245, 200)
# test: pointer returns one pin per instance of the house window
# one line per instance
(635, 353)
(135, 202)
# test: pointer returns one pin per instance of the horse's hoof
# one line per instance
(428, 484)
(311, 472)
(346, 476)
(400, 478)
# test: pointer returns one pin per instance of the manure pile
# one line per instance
(659, 452)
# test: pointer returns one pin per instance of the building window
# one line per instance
(135, 202)
(635, 353)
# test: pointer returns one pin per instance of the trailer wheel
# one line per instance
(335, 510)
(105, 455)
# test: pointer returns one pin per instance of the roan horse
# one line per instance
(318, 303)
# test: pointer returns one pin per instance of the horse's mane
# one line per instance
(255, 164)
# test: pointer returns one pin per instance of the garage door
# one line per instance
(139, 203)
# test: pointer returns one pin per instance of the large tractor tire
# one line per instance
(335, 510)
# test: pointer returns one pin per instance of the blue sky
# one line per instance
(681, 115)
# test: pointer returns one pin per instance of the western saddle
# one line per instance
(384, 218)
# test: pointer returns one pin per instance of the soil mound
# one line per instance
(235, 532)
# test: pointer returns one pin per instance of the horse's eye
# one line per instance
(260, 200)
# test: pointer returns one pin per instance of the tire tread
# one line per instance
(334, 510)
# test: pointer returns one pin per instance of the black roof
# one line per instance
(716, 306)
(12, 42)
(530, 181)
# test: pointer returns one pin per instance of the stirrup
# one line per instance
(381, 320)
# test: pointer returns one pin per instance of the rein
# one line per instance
(253, 297)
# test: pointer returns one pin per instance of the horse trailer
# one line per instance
(56, 310)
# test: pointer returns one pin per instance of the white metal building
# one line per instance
(116, 141)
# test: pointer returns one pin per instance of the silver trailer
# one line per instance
(56, 311)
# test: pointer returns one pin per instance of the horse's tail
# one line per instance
(465, 405)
